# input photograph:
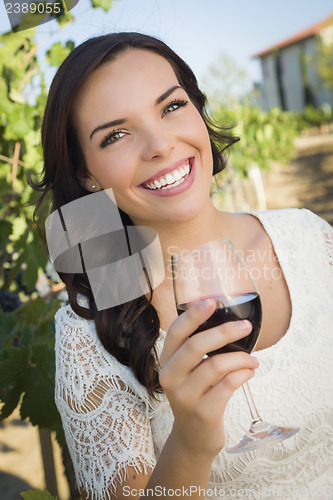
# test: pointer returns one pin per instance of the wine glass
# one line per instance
(216, 270)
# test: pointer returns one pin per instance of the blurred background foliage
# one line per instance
(264, 136)
(30, 292)
(26, 317)
(29, 287)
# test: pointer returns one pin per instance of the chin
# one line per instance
(186, 214)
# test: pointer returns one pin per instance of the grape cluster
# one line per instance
(9, 301)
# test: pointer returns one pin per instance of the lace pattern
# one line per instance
(110, 422)
(105, 422)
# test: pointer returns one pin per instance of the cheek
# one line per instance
(198, 130)
(110, 170)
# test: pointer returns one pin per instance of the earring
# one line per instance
(93, 186)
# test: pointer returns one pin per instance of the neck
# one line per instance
(210, 224)
(206, 226)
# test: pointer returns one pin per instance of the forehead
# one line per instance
(134, 72)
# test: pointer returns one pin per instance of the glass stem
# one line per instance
(253, 410)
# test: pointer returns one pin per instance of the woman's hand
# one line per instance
(198, 389)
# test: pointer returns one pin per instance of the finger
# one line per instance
(210, 372)
(223, 391)
(191, 352)
(184, 326)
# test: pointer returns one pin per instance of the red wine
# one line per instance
(245, 306)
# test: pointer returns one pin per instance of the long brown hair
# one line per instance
(128, 331)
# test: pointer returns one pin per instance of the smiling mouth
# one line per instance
(171, 179)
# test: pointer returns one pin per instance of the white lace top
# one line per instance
(110, 423)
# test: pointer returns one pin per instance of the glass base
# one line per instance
(261, 434)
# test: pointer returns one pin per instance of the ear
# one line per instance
(89, 183)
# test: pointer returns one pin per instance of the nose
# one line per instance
(156, 142)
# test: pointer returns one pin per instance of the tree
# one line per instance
(28, 295)
(225, 81)
(324, 57)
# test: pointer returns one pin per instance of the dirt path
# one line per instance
(307, 182)
(21, 466)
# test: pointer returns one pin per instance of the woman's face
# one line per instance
(142, 136)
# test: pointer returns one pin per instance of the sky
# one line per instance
(198, 30)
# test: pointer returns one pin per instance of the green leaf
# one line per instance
(5, 230)
(43, 356)
(5, 170)
(37, 495)
(65, 20)
(26, 335)
(21, 120)
(60, 435)
(57, 53)
(20, 229)
(20, 234)
(268, 131)
(10, 401)
(33, 311)
(33, 151)
(4, 187)
(14, 368)
(8, 330)
(33, 257)
(103, 4)
(17, 97)
(38, 402)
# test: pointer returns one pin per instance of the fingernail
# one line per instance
(256, 360)
(206, 304)
(243, 325)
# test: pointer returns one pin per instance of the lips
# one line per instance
(172, 188)
(171, 177)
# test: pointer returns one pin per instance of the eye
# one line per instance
(173, 106)
(112, 137)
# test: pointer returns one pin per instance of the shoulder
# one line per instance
(299, 232)
(78, 337)
(285, 214)
(73, 331)
(77, 345)
(291, 220)
(81, 357)
(288, 217)
(274, 226)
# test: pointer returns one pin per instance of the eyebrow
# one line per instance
(166, 94)
(120, 121)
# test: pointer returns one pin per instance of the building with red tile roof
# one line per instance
(290, 78)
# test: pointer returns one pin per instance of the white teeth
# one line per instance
(170, 180)
(177, 175)
(169, 186)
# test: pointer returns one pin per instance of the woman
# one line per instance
(142, 413)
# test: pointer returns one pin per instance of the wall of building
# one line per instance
(270, 87)
(291, 76)
(322, 95)
(296, 72)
